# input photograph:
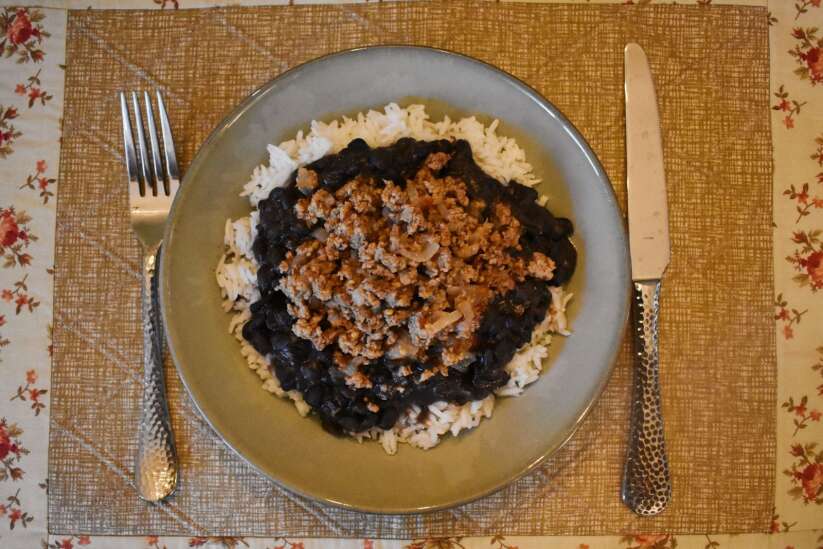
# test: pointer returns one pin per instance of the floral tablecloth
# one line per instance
(32, 57)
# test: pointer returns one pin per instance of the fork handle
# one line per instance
(156, 469)
(646, 483)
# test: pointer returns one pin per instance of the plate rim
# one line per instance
(546, 105)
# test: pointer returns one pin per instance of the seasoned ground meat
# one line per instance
(400, 275)
(392, 270)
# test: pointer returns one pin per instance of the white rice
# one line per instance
(499, 156)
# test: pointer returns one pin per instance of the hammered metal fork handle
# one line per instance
(647, 486)
(156, 470)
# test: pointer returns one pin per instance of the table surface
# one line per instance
(31, 103)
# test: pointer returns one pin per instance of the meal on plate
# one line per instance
(396, 274)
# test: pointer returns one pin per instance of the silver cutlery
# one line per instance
(151, 191)
(647, 486)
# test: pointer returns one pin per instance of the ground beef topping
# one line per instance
(400, 275)
(391, 269)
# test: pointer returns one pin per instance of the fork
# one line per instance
(150, 196)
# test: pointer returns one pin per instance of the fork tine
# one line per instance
(155, 147)
(128, 146)
(145, 169)
(168, 146)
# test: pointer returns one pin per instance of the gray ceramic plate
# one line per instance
(266, 431)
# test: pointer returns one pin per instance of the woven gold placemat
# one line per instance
(711, 69)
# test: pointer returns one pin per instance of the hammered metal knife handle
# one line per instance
(156, 469)
(647, 486)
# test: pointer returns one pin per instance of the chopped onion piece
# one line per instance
(402, 348)
(443, 321)
(467, 310)
(421, 256)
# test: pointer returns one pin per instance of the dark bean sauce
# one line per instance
(507, 323)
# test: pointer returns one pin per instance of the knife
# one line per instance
(647, 485)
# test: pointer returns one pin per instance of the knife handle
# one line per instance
(647, 486)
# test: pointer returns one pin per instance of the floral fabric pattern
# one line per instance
(31, 89)
(789, 106)
(807, 54)
(31, 94)
(22, 34)
(8, 133)
(31, 80)
(15, 237)
(807, 258)
(806, 473)
(796, 72)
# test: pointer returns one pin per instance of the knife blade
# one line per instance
(645, 176)
(646, 486)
